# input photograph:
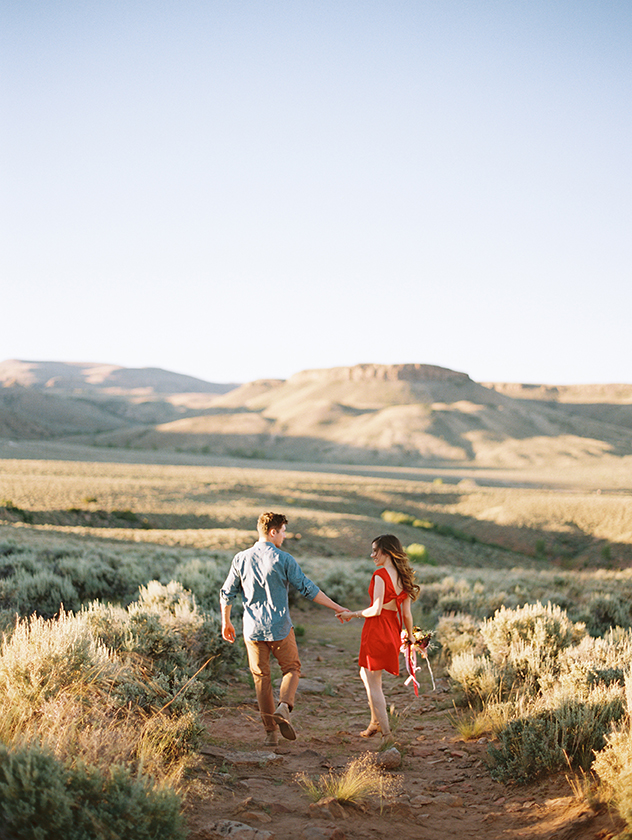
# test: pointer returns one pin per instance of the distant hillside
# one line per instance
(406, 415)
(79, 377)
(50, 400)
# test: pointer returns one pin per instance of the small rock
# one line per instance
(238, 831)
(246, 804)
(322, 832)
(278, 808)
(256, 782)
(420, 800)
(328, 806)
(257, 816)
(422, 752)
(449, 799)
(306, 686)
(389, 759)
(401, 809)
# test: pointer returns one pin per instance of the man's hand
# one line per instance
(228, 631)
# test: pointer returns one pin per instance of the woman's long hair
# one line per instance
(389, 544)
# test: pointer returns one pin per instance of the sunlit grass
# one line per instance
(361, 779)
(471, 725)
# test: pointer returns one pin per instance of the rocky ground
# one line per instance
(246, 791)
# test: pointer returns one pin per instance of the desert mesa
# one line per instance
(400, 415)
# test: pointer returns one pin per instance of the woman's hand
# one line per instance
(345, 615)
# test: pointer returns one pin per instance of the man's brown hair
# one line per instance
(268, 521)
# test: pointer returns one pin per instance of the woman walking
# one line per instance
(392, 591)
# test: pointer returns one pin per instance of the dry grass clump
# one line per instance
(472, 726)
(361, 779)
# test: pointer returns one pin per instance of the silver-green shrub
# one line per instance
(43, 799)
(526, 643)
(41, 658)
(459, 633)
(477, 677)
(569, 730)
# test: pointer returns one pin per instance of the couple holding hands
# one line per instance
(262, 574)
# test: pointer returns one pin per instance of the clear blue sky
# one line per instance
(240, 189)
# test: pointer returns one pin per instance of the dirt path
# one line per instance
(446, 789)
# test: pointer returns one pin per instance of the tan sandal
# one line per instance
(372, 729)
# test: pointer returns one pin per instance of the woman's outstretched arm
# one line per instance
(376, 606)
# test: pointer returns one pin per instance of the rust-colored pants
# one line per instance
(285, 652)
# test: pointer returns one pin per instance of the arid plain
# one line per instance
(513, 492)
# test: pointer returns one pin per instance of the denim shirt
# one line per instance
(262, 574)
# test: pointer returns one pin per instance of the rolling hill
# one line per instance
(409, 414)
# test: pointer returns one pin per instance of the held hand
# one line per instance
(345, 615)
(228, 632)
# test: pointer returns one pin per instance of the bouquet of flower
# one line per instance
(410, 648)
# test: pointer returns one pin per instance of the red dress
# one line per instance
(380, 642)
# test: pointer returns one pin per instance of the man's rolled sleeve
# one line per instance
(231, 588)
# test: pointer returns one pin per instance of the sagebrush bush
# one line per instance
(42, 799)
(604, 659)
(346, 586)
(605, 610)
(169, 640)
(477, 677)
(613, 764)
(547, 627)
(111, 684)
(41, 658)
(203, 576)
(522, 649)
(549, 739)
(526, 643)
(550, 692)
(39, 579)
(459, 633)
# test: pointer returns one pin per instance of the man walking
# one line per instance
(262, 574)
